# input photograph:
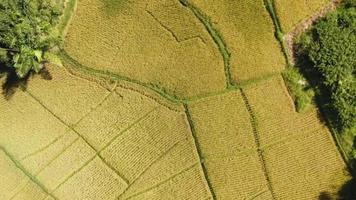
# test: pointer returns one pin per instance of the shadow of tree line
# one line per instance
(322, 99)
(12, 82)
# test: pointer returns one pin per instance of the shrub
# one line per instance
(330, 46)
(26, 32)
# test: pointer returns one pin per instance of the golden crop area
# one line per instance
(153, 42)
(248, 32)
(225, 136)
(298, 148)
(291, 13)
(126, 146)
(166, 100)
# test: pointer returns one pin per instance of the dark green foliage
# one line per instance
(331, 48)
(26, 32)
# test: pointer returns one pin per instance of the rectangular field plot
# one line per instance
(133, 151)
(236, 177)
(94, 181)
(224, 135)
(290, 13)
(186, 185)
(301, 157)
(25, 124)
(177, 160)
(305, 166)
(67, 96)
(14, 183)
(274, 110)
(67, 163)
(147, 41)
(222, 125)
(120, 109)
(248, 32)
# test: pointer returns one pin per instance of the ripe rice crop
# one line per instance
(290, 13)
(141, 42)
(225, 137)
(248, 32)
(300, 155)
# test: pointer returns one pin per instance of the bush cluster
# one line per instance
(26, 32)
(331, 48)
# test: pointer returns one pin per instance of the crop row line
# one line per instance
(279, 34)
(28, 174)
(75, 131)
(198, 148)
(150, 165)
(217, 38)
(163, 182)
(157, 89)
(253, 121)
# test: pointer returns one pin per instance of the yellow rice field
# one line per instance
(291, 13)
(248, 32)
(144, 43)
(300, 154)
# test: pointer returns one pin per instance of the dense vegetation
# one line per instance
(26, 32)
(330, 48)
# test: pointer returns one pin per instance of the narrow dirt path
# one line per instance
(303, 26)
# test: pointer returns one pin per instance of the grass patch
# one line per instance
(299, 88)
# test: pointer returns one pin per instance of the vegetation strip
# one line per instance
(217, 38)
(69, 9)
(32, 178)
(269, 4)
(107, 74)
(258, 144)
(193, 131)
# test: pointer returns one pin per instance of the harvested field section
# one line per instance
(248, 31)
(93, 181)
(183, 186)
(225, 137)
(300, 155)
(146, 45)
(67, 96)
(134, 150)
(117, 112)
(290, 13)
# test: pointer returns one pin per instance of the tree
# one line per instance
(330, 46)
(27, 32)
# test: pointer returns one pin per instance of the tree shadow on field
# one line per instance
(346, 192)
(12, 82)
(113, 7)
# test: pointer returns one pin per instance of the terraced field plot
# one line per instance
(145, 148)
(291, 13)
(148, 105)
(248, 32)
(292, 143)
(141, 41)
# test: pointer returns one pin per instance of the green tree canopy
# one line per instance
(26, 32)
(331, 47)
